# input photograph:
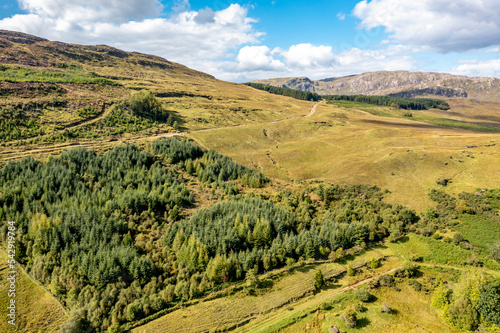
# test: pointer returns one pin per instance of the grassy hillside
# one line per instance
(36, 311)
(131, 229)
(47, 86)
(348, 143)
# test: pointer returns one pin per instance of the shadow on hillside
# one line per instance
(305, 269)
(179, 119)
(331, 286)
(402, 240)
(363, 322)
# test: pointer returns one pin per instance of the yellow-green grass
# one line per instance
(432, 250)
(236, 310)
(412, 313)
(479, 230)
(435, 251)
(349, 146)
(36, 309)
(280, 318)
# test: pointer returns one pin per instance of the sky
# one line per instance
(245, 40)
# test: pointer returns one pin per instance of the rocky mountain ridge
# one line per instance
(397, 84)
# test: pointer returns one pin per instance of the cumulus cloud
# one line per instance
(341, 16)
(309, 56)
(258, 58)
(479, 68)
(206, 15)
(186, 37)
(441, 25)
(317, 62)
(221, 42)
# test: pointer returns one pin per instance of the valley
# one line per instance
(150, 197)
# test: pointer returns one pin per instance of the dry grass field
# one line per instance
(36, 310)
(350, 146)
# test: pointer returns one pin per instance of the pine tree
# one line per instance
(319, 281)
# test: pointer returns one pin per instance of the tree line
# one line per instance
(298, 94)
(401, 103)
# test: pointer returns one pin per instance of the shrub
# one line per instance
(87, 111)
(325, 306)
(350, 271)
(489, 303)
(417, 286)
(374, 284)
(386, 280)
(408, 271)
(495, 251)
(290, 261)
(363, 295)
(463, 315)
(359, 307)
(350, 317)
(458, 238)
(374, 263)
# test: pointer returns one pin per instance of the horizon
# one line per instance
(241, 41)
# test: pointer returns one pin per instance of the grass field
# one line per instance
(270, 302)
(288, 303)
(432, 250)
(479, 230)
(350, 146)
(36, 310)
(412, 313)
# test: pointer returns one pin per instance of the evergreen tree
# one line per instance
(319, 281)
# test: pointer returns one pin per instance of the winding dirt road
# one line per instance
(13, 154)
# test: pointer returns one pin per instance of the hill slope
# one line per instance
(50, 80)
(161, 229)
(398, 84)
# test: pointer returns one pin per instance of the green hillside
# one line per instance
(149, 197)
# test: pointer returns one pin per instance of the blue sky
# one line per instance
(245, 40)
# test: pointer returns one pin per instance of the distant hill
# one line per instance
(54, 91)
(397, 84)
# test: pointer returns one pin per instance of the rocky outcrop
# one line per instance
(398, 84)
(434, 91)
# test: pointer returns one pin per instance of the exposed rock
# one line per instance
(398, 84)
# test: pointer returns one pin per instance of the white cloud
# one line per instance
(441, 25)
(219, 42)
(309, 56)
(257, 62)
(258, 58)
(93, 10)
(479, 68)
(341, 16)
(186, 37)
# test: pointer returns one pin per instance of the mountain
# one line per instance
(271, 214)
(397, 84)
(58, 92)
